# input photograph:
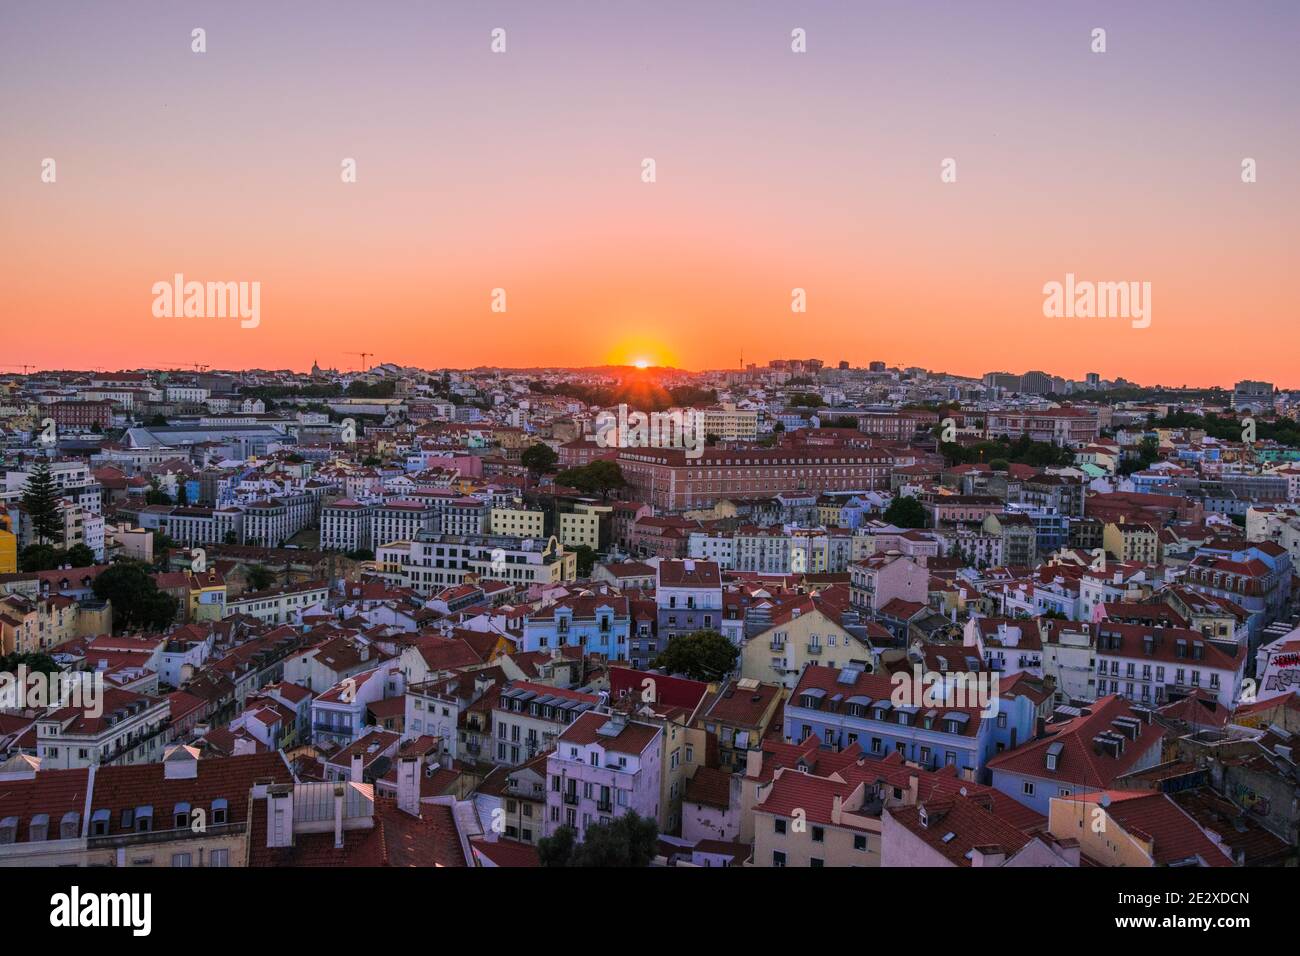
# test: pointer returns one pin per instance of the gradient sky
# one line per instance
(775, 170)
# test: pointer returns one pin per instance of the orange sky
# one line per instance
(522, 172)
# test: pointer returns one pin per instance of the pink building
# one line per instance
(603, 766)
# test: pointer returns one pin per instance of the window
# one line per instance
(180, 859)
(219, 858)
(818, 835)
(778, 825)
(778, 858)
(859, 841)
(1028, 789)
(816, 862)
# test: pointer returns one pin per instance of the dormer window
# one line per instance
(181, 816)
(143, 819)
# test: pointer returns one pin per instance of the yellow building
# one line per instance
(1132, 828)
(29, 626)
(207, 595)
(1131, 542)
(8, 543)
(801, 634)
(582, 526)
(518, 522)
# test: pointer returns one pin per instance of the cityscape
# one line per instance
(714, 437)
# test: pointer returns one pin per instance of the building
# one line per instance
(604, 765)
(435, 561)
(688, 597)
(1084, 754)
(844, 707)
(882, 578)
(528, 717)
(669, 481)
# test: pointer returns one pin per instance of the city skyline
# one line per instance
(776, 171)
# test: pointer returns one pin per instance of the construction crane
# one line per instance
(365, 366)
(197, 366)
(25, 368)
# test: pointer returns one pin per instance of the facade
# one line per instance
(669, 481)
(604, 766)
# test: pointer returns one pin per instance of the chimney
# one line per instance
(408, 785)
(356, 773)
(279, 815)
(338, 816)
(987, 855)
(753, 762)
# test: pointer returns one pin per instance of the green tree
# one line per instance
(155, 495)
(701, 655)
(557, 849)
(40, 503)
(586, 560)
(905, 512)
(79, 556)
(137, 602)
(630, 840)
(260, 577)
(39, 557)
(34, 662)
(600, 477)
(539, 458)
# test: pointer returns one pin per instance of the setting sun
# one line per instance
(642, 363)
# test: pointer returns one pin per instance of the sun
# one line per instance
(642, 363)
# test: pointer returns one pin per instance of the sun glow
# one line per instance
(642, 363)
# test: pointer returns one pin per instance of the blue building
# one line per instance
(885, 714)
(598, 623)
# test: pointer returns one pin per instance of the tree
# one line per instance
(539, 458)
(79, 556)
(999, 464)
(630, 840)
(137, 602)
(557, 849)
(34, 662)
(40, 502)
(260, 577)
(39, 557)
(627, 841)
(155, 495)
(600, 477)
(702, 655)
(905, 512)
(360, 554)
(586, 559)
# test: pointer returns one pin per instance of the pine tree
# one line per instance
(40, 503)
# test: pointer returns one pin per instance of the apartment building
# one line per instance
(129, 728)
(604, 765)
(688, 598)
(1154, 665)
(347, 525)
(882, 578)
(435, 561)
(669, 481)
(528, 718)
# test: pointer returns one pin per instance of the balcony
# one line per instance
(571, 799)
(814, 649)
(604, 806)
